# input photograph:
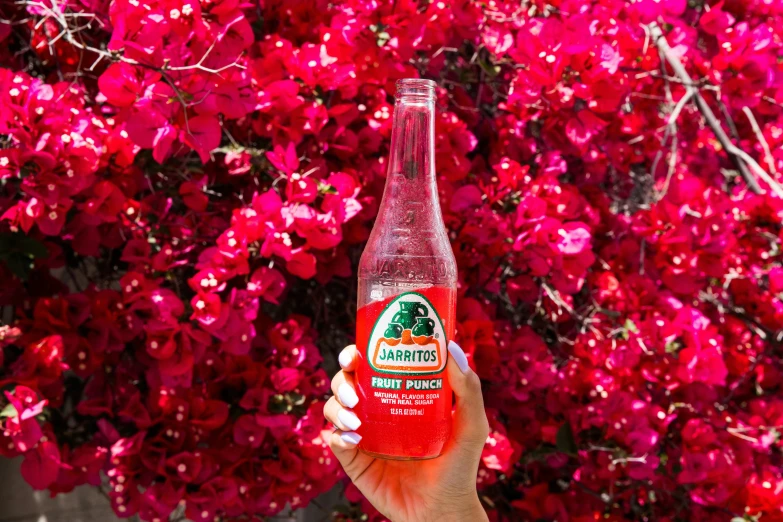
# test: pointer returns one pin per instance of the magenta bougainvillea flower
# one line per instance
(186, 186)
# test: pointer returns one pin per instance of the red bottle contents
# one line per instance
(406, 414)
(407, 296)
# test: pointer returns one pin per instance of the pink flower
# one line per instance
(715, 21)
(497, 453)
(202, 133)
(41, 465)
(465, 197)
(120, 85)
(185, 466)
(702, 365)
(207, 308)
(285, 379)
(247, 432)
(267, 283)
(22, 426)
(575, 238)
(695, 467)
(302, 264)
(192, 193)
(285, 160)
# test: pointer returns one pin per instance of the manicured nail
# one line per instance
(345, 358)
(349, 420)
(347, 396)
(459, 356)
(351, 437)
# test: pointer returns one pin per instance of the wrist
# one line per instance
(476, 513)
(470, 510)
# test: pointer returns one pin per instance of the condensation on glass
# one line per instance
(407, 296)
(408, 245)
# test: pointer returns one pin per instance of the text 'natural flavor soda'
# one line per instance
(407, 296)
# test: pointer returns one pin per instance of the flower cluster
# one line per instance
(187, 186)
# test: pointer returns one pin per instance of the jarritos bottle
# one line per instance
(407, 296)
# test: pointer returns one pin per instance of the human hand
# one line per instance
(441, 489)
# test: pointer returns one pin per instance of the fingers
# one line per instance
(344, 419)
(347, 358)
(344, 389)
(470, 422)
(353, 461)
(343, 444)
(336, 409)
(344, 440)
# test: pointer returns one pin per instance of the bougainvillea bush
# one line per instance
(187, 186)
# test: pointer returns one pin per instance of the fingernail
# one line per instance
(345, 358)
(459, 356)
(349, 420)
(347, 396)
(351, 437)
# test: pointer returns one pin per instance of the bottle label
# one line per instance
(408, 338)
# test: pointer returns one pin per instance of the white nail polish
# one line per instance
(459, 356)
(344, 358)
(349, 420)
(347, 396)
(351, 437)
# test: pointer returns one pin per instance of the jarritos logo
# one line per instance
(408, 338)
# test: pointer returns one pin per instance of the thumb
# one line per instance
(470, 421)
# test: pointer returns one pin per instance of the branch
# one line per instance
(760, 136)
(68, 32)
(671, 130)
(72, 35)
(737, 156)
(200, 63)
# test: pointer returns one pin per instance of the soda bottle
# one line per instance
(407, 296)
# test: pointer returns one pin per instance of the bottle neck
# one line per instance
(412, 152)
(410, 199)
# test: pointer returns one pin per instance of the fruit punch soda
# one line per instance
(407, 296)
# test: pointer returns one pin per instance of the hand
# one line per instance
(441, 489)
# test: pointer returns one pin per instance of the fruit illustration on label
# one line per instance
(408, 338)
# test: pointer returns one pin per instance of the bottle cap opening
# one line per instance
(416, 87)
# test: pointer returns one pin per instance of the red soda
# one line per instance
(407, 296)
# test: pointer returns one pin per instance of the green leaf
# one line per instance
(325, 188)
(18, 266)
(297, 399)
(738, 519)
(32, 247)
(5, 245)
(565, 439)
(673, 347)
(8, 411)
(18, 251)
(631, 326)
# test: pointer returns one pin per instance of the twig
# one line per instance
(774, 185)
(624, 460)
(73, 37)
(680, 104)
(554, 295)
(671, 131)
(738, 157)
(670, 172)
(760, 136)
(729, 120)
(200, 63)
